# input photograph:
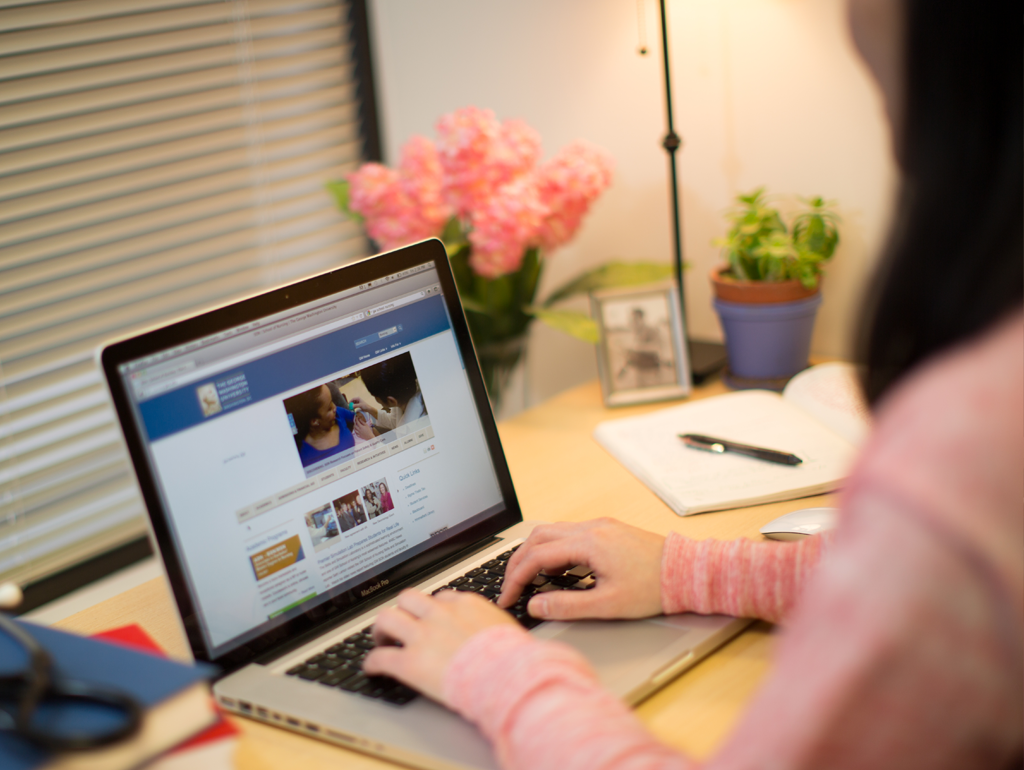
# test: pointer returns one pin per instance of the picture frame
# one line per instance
(641, 355)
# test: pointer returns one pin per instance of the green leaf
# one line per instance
(340, 191)
(496, 293)
(458, 258)
(758, 246)
(527, 277)
(579, 325)
(453, 236)
(609, 275)
(473, 305)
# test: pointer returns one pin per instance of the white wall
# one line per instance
(764, 91)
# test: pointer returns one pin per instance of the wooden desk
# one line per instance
(560, 474)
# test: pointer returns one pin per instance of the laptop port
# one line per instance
(246, 707)
(312, 728)
(340, 736)
(293, 722)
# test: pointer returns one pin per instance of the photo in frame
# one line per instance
(641, 355)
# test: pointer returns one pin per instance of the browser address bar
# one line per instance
(392, 304)
(162, 386)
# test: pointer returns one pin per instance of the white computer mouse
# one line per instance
(799, 524)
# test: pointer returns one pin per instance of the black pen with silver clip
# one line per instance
(720, 446)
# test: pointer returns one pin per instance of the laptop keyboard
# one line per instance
(341, 664)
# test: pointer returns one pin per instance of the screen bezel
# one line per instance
(350, 602)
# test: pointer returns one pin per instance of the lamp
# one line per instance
(706, 357)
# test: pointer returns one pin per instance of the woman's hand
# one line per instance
(626, 562)
(430, 630)
(358, 403)
(362, 428)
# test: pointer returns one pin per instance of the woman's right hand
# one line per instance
(626, 562)
(358, 403)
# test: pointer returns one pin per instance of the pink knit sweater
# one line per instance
(905, 649)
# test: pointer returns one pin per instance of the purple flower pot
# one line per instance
(767, 343)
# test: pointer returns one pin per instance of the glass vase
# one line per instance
(498, 360)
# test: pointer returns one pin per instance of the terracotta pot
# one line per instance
(758, 292)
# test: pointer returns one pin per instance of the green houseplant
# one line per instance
(768, 291)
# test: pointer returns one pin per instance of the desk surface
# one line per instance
(560, 474)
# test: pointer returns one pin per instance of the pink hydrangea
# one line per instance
(403, 206)
(486, 173)
(422, 179)
(504, 227)
(479, 156)
(567, 185)
(518, 149)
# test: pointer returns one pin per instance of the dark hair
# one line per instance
(953, 264)
(304, 408)
(395, 377)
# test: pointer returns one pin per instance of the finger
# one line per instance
(546, 533)
(416, 603)
(394, 625)
(571, 605)
(455, 599)
(390, 661)
(542, 534)
(551, 555)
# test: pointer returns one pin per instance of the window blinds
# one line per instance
(156, 157)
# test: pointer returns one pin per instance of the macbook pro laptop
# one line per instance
(307, 453)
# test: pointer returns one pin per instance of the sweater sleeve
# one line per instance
(736, 577)
(541, 707)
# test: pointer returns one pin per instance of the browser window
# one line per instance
(303, 453)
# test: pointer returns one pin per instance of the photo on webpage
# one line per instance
(350, 511)
(323, 527)
(377, 498)
(336, 420)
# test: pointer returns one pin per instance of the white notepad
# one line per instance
(819, 417)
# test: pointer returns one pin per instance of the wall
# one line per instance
(765, 92)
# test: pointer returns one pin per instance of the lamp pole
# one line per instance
(706, 358)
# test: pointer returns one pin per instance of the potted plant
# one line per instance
(768, 292)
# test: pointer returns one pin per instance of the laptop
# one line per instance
(307, 453)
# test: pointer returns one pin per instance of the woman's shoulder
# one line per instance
(949, 442)
(968, 399)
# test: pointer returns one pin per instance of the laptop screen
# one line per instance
(301, 455)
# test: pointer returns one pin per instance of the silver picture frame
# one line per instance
(641, 355)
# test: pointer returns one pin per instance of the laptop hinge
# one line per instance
(382, 597)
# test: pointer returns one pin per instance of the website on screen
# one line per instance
(304, 468)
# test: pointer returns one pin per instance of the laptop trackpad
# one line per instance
(623, 652)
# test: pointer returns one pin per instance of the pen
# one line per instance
(720, 445)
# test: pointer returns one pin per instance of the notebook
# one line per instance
(819, 417)
(307, 453)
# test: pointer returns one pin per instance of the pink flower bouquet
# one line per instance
(483, 189)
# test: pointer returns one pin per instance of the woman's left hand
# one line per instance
(430, 630)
